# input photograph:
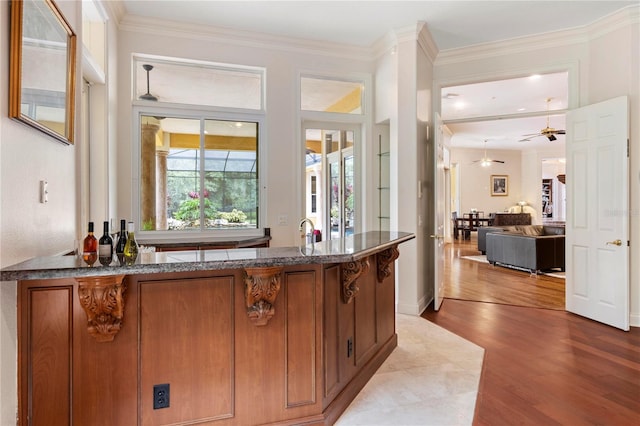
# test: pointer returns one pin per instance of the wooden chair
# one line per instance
(469, 224)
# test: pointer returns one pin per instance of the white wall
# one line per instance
(283, 62)
(603, 63)
(475, 180)
(27, 227)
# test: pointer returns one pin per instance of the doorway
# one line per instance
(518, 123)
(330, 185)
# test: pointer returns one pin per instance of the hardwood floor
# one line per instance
(541, 366)
(469, 280)
(546, 367)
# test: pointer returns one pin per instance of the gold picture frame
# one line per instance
(42, 73)
(499, 185)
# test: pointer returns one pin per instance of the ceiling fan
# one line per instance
(548, 132)
(486, 161)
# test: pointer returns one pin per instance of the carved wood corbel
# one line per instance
(385, 259)
(261, 288)
(102, 299)
(351, 271)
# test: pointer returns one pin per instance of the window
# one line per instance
(328, 95)
(193, 180)
(198, 169)
(196, 83)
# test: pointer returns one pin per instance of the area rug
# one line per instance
(483, 259)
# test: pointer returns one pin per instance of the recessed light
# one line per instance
(521, 109)
(535, 77)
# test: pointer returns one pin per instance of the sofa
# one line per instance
(509, 219)
(531, 247)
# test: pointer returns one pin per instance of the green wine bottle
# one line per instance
(131, 247)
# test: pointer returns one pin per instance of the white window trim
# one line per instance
(197, 112)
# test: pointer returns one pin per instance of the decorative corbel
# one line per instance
(351, 271)
(261, 288)
(102, 299)
(385, 259)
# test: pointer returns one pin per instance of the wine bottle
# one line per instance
(90, 247)
(131, 247)
(122, 240)
(105, 246)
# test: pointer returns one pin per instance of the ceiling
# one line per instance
(518, 107)
(452, 24)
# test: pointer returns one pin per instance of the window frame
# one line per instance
(145, 108)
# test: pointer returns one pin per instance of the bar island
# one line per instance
(280, 335)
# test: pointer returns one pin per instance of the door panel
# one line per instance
(597, 279)
(439, 200)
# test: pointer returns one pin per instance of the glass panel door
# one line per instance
(330, 184)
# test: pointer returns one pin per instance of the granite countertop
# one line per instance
(331, 251)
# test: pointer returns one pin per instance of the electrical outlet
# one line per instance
(161, 396)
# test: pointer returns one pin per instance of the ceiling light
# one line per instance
(460, 105)
(535, 77)
(521, 109)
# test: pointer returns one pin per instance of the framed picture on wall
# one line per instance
(499, 185)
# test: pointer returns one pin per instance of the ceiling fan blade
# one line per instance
(551, 138)
(532, 134)
(560, 132)
(498, 161)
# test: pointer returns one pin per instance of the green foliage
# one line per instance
(189, 210)
(234, 216)
(148, 225)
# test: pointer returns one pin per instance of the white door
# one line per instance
(597, 247)
(438, 226)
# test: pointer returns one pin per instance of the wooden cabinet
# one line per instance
(194, 331)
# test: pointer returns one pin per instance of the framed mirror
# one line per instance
(42, 68)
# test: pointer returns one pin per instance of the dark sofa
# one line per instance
(533, 247)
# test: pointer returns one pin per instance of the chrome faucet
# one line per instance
(310, 236)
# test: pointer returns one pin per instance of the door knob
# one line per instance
(615, 243)
(437, 237)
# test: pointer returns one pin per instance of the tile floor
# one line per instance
(431, 378)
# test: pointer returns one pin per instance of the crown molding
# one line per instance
(425, 41)
(512, 46)
(620, 19)
(384, 44)
(166, 28)
(115, 9)
(418, 32)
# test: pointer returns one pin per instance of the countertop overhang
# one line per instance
(342, 250)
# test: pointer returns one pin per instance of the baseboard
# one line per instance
(634, 320)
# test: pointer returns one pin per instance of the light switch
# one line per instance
(44, 191)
